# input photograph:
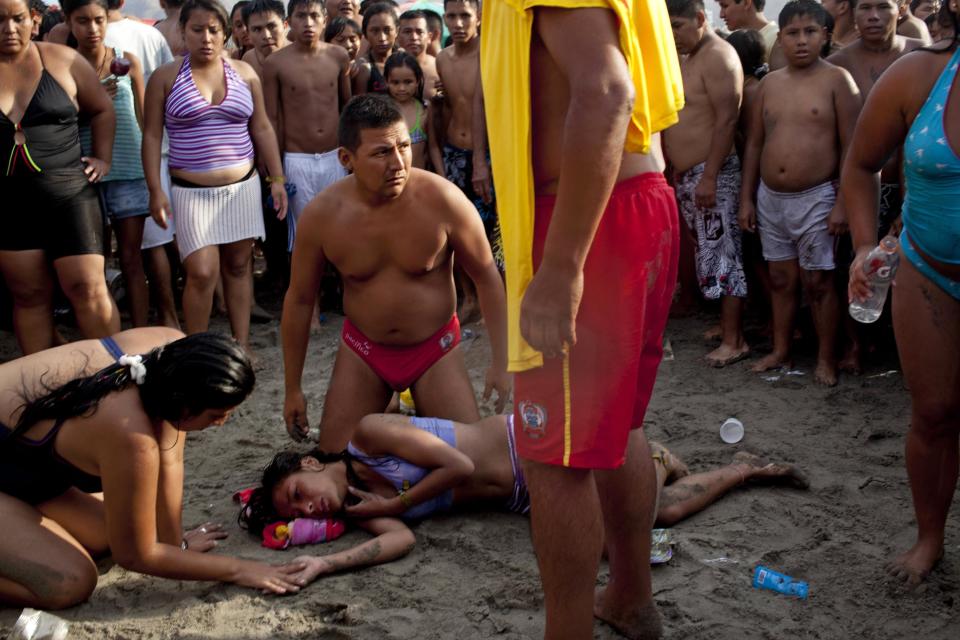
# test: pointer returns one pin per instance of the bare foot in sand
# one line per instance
(773, 361)
(713, 334)
(825, 374)
(672, 465)
(850, 363)
(631, 621)
(725, 355)
(757, 468)
(913, 566)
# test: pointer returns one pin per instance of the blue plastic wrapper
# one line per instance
(766, 578)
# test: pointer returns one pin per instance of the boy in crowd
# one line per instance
(748, 14)
(455, 156)
(701, 149)
(393, 234)
(844, 28)
(349, 9)
(170, 26)
(866, 59)
(266, 27)
(413, 36)
(801, 124)
(304, 86)
(265, 20)
(910, 25)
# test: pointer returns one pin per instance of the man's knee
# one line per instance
(936, 418)
(782, 280)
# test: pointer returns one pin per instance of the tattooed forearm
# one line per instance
(363, 555)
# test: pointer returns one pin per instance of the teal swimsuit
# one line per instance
(931, 210)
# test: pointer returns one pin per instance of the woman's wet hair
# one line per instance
(336, 26)
(404, 59)
(183, 378)
(748, 43)
(69, 6)
(259, 511)
(213, 6)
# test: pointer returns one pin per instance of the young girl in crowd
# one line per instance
(345, 33)
(123, 192)
(398, 469)
(380, 30)
(405, 85)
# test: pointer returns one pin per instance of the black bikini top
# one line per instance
(47, 136)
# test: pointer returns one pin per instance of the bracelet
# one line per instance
(404, 498)
(183, 544)
(276, 179)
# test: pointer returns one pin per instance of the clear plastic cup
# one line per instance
(731, 431)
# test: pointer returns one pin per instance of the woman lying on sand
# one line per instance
(398, 468)
(84, 418)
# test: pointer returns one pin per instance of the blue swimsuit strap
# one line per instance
(112, 347)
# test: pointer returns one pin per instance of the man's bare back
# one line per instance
(799, 110)
(306, 87)
(458, 72)
(391, 256)
(170, 28)
(687, 143)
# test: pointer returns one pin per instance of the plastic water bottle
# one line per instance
(880, 267)
(765, 578)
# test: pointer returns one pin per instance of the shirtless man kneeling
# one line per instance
(392, 232)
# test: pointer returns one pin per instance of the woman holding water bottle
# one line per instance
(916, 104)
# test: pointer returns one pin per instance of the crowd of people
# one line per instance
(362, 141)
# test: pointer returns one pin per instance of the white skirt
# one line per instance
(209, 216)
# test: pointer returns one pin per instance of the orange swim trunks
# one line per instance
(401, 366)
(578, 410)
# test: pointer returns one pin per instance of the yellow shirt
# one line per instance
(646, 41)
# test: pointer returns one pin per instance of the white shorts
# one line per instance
(311, 173)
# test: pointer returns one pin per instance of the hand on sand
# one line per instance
(159, 208)
(705, 195)
(313, 567)
(549, 309)
(748, 217)
(295, 415)
(500, 381)
(914, 566)
(204, 537)
(279, 193)
(858, 287)
(278, 579)
(372, 505)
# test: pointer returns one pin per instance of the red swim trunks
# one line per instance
(401, 366)
(578, 410)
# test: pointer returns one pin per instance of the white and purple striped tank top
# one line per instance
(204, 136)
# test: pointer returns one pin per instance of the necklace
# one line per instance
(103, 61)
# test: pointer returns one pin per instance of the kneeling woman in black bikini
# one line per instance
(398, 468)
(97, 420)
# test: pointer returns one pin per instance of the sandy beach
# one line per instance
(474, 576)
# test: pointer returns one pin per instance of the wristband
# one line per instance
(404, 498)
(183, 544)
(276, 179)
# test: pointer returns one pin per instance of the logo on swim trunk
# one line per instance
(446, 340)
(534, 419)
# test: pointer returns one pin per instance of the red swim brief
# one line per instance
(401, 366)
(578, 410)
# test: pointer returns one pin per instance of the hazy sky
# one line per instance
(151, 8)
